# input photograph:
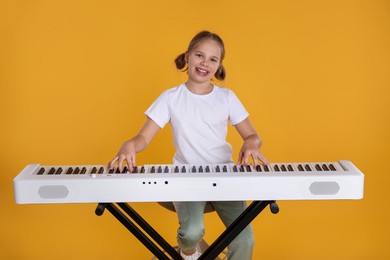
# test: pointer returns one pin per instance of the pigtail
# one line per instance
(220, 74)
(180, 61)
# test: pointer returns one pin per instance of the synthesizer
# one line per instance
(41, 184)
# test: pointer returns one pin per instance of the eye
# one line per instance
(198, 55)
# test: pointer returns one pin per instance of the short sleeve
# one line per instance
(159, 110)
(237, 112)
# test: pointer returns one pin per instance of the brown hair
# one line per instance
(181, 62)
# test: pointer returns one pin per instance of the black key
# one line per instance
(332, 168)
(125, 170)
(248, 168)
(111, 170)
(207, 168)
(200, 169)
(183, 169)
(83, 170)
(41, 171)
(224, 168)
(69, 171)
(193, 169)
(59, 171)
(76, 170)
(300, 168)
(153, 169)
(266, 168)
(117, 170)
(135, 170)
(94, 170)
(325, 167)
(166, 169)
(52, 170)
(142, 169)
(242, 169)
(307, 167)
(101, 170)
(276, 168)
(235, 168)
(176, 169)
(318, 168)
(283, 167)
(290, 168)
(159, 169)
(258, 168)
(217, 169)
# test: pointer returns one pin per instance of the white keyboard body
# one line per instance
(38, 184)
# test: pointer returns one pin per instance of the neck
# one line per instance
(199, 89)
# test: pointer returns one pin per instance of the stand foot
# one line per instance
(100, 209)
(273, 207)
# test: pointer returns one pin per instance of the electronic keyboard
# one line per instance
(37, 184)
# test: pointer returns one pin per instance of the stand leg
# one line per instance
(149, 230)
(234, 229)
(212, 252)
(136, 232)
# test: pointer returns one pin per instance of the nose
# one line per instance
(204, 63)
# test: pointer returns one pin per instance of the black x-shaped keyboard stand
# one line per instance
(212, 251)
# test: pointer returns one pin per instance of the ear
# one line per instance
(220, 74)
(220, 69)
(186, 54)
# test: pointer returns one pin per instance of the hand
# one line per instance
(137, 144)
(126, 153)
(250, 149)
(252, 144)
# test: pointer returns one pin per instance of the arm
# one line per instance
(252, 143)
(136, 144)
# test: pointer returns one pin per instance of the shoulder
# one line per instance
(225, 92)
(178, 90)
(171, 93)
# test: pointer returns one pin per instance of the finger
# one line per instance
(130, 163)
(255, 157)
(246, 157)
(239, 158)
(112, 162)
(125, 162)
(133, 160)
(263, 159)
(120, 163)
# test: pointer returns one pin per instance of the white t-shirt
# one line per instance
(198, 122)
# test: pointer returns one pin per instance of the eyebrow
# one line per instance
(216, 57)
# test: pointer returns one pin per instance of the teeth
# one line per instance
(203, 71)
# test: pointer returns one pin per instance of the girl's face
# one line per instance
(204, 61)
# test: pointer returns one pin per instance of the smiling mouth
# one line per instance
(202, 72)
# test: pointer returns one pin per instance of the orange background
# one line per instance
(76, 77)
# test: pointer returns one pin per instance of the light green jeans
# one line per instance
(191, 228)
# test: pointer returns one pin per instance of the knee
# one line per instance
(191, 236)
(244, 240)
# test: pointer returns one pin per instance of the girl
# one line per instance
(198, 112)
